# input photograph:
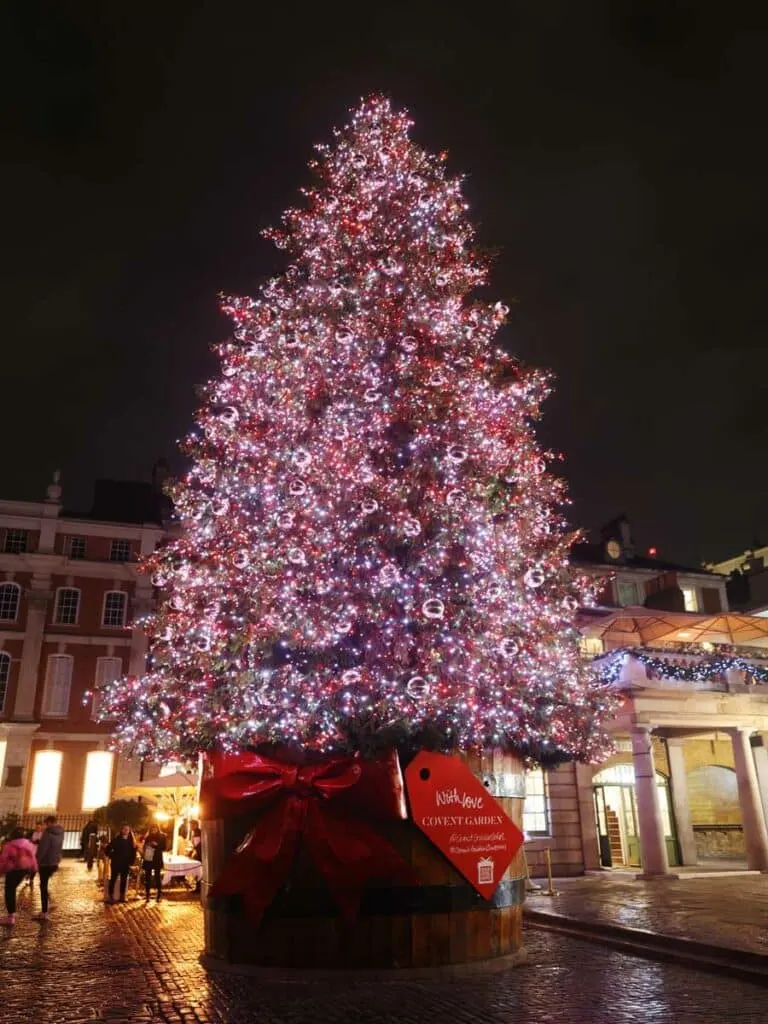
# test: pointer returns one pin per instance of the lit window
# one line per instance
(97, 788)
(107, 670)
(690, 600)
(5, 673)
(535, 811)
(45, 780)
(170, 768)
(591, 646)
(67, 606)
(76, 547)
(120, 551)
(114, 609)
(15, 542)
(627, 593)
(9, 601)
(57, 685)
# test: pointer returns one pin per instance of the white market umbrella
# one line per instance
(176, 793)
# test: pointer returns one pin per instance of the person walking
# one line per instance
(122, 853)
(35, 837)
(17, 860)
(48, 858)
(88, 842)
(152, 859)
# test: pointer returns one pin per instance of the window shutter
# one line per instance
(57, 688)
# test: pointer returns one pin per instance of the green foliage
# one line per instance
(7, 825)
(123, 812)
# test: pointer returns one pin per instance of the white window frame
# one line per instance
(56, 608)
(45, 710)
(46, 755)
(8, 584)
(532, 820)
(691, 597)
(111, 625)
(121, 541)
(13, 530)
(68, 548)
(102, 677)
(96, 762)
(5, 678)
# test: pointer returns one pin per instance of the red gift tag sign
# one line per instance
(457, 813)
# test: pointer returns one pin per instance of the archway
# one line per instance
(616, 816)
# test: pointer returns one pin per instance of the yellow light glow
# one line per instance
(194, 811)
(684, 634)
(162, 816)
(45, 780)
(707, 646)
(97, 787)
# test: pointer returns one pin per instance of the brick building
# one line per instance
(69, 588)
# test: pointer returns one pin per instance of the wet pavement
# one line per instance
(729, 910)
(139, 963)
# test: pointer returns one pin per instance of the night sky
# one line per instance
(616, 157)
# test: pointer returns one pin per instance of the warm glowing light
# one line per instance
(46, 775)
(162, 816)
(97, 787)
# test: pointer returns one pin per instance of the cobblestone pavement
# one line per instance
(730, 911)
(139, 964)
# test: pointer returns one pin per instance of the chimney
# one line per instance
(160, 473)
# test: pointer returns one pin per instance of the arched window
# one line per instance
(113, 612)
(5, 675)
(67, 606)
(10, 594)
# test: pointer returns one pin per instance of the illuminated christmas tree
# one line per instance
(372, 548)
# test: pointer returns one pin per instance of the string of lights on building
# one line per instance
(709, 667)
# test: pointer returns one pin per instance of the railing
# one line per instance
(73, 825)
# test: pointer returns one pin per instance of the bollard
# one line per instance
(550, 891)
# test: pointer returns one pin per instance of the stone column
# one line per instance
(653, 849)
(679, 793)
(760, 754)
(752, 817)
(29, 670)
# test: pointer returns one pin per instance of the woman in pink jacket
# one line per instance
(17, 859)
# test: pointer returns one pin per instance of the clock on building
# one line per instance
(613, 549)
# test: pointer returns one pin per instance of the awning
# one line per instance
(637, 626)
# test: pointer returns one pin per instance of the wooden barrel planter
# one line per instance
(442, 921)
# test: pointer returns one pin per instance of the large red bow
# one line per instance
(318, 804)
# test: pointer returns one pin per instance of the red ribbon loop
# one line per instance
(320, 805)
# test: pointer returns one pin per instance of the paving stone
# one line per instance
(730, 911)
(139, 964)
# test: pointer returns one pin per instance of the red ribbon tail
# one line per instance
(350, 855)
(262, 863)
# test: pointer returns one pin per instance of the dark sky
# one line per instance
(616, 155)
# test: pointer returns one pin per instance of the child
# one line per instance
(17, 859)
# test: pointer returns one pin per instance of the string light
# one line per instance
(373, 547)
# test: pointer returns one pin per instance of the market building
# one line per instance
(69, 590)
(688, 782)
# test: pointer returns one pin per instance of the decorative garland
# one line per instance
(709, 669)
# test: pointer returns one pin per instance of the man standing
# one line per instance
(48, 857)
(88, 842)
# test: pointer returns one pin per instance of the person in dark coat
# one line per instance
(91, 829)
(152, 859)
(122, 853)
